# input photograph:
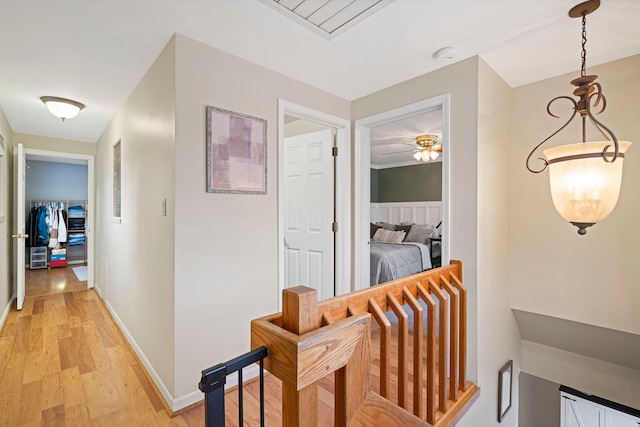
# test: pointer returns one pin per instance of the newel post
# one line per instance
(300, 315)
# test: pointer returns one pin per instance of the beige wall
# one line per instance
(477, 211)
(591, 279)
(498, 334)
(135, 258)
(226, 244)
(6, 191)
(55, 144)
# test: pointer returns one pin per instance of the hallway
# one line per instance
(64, 362)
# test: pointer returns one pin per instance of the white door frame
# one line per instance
(90, 227)
(343, 190)
(362, 184)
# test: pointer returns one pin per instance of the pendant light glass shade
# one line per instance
(584, 187)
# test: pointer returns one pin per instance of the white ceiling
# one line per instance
(393, 143)
(97, 51)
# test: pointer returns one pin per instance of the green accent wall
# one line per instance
(416, 183)
(374, 185)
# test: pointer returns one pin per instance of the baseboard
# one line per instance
(189, 399)
(181, 402)
(98, 290)
(6, 311)
(164, 391)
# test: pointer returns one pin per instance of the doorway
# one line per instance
(362, 184)
(64, 181)
(313, 200)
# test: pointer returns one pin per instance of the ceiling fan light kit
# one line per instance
(585, 178)
(427, 148)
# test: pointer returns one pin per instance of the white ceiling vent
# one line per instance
(327, 18)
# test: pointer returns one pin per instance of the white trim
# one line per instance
(143, 358)
(6, 311)
(91, 241)
(98, 290)
(196, 396)
(405, 163)
(362, 165)
(429, 213)
(343, 196)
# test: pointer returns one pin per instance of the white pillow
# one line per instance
(388, 236)
(419, 233)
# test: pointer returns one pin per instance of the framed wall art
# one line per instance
(236, 152)
(505, 380)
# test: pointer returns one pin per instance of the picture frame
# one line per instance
(505, 382)
(236, 152)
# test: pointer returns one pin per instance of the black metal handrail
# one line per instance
(213, 381)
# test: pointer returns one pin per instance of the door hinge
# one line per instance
(334, 227)
(334, 151)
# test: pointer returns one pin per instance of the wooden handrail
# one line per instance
(311, 339)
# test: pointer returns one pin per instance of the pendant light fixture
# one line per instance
(585, 177)
(61, 107)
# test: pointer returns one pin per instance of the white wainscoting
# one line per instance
(412, 212)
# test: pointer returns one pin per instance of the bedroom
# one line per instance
(406, 195)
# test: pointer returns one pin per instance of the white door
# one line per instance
(577, 412)
(18, 223)
(309, 212)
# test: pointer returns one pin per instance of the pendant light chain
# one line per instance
(583, 71)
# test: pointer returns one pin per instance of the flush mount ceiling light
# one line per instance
(62, 107)
(428, 150)
(585, 177)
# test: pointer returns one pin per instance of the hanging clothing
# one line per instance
(53, 237)
(42, 235)
(62, 226)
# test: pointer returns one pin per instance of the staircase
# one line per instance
(420, 371)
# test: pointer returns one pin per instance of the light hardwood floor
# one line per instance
(64, 362)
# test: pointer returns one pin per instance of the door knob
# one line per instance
(19, 236)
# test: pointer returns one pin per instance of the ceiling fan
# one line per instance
(427, 148)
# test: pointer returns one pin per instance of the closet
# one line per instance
(57, 233)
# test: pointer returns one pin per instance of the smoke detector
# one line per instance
(445, 54)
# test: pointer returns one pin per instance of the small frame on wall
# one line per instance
(236, 152)
(505, 381)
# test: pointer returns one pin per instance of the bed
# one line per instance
(390, 261)
(410, 255)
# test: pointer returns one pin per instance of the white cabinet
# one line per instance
(620, 419)
(577, 411)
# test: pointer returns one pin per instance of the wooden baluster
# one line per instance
(385, 347)
(417, 351)
(403, 349)
(431, 353)
(454, 341)
(443, 335)
(353, 381)
(463, 329)
(299, 315)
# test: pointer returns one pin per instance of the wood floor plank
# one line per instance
(76, 416)
(31, 402)
(54, 417)
(52, 394)
(72, 390)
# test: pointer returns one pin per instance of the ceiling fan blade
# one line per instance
(396, 152)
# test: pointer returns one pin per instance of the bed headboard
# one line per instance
(415, 212)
